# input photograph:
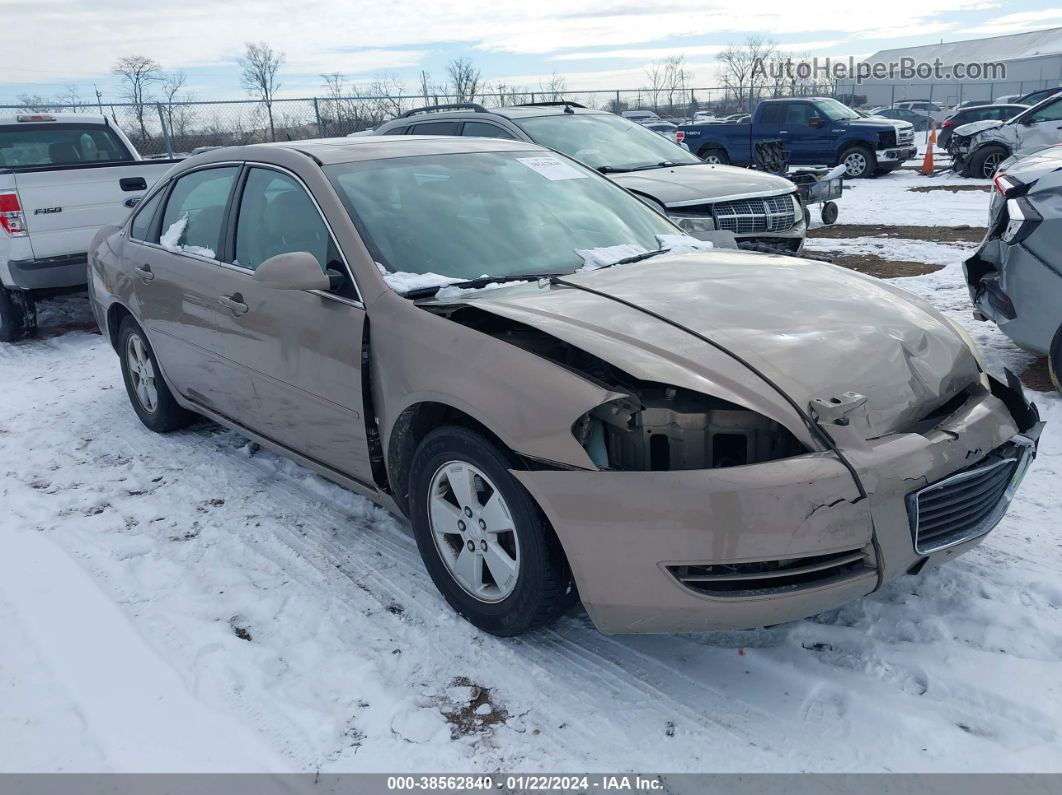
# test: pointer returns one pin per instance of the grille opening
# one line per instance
(939, 414)
(772, 576)
(730, 450)
(659, 452)
(964, 505)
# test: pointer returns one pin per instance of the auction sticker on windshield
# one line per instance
(552, 168)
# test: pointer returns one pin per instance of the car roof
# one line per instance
(508, 112)
(329, 151)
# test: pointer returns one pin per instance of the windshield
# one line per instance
(834, 110)
(50, 144)
(603, 140)
(499, 214)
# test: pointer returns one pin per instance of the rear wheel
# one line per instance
(986, 160)
(151, 398)
(858, 162)
(484, 541)
(1054, 360)
(715, 157)
(18, 315)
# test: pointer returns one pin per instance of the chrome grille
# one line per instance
(904, 137)
(748, 216)
(969, 503)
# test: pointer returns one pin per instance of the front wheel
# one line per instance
(148, 393)
(18, 315)
(858, 162)
(1054, 360)
(484, 541)
(985, 162)
(716, 157)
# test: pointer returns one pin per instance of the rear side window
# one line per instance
(195, 210)
(141, 226)
(396, 131)
(45, 144)
(478, 129)
(773, 114)
(436, 128)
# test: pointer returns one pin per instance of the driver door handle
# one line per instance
(144, 272)
(234, 303)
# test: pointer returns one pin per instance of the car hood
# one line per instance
(1032, 167)
(975, 127)
(687, 185)
(815, 329)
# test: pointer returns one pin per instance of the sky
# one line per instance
(51, 45)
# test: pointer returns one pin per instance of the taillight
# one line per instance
(11, 218)
(680, 136)
(948, 123)
(1022, 219)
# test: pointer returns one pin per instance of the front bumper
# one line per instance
(641, 544)
(1016, 290)
(894, 157)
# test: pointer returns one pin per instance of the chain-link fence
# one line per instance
(179, 128)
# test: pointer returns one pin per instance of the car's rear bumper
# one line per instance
(637, 542)
(70, 270)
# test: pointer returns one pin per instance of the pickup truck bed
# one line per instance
(61, 179)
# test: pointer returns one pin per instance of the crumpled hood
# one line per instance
(816, 329)
(701, 183)
(975, 127)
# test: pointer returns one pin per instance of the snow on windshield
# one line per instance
(404, 281)
(171, 240)
(594, 258)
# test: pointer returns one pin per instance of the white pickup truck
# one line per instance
(62, 177)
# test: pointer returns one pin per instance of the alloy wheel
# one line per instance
(141, 373)
(988, 169)
(474, 532)
(855, 164)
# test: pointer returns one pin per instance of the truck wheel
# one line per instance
(858, 161)
(715, 157)
(18, 315)
(148, 393)
(484, 541)
(985, 161)
(1054, 360)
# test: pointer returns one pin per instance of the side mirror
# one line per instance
(816, 122)
(295, 270)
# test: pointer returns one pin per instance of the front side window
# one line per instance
(468, 215)
(25, 145)
(195, 210)
(277, 216)
(141, 226)
(601, 140)
(835, 111)
(1052, 112)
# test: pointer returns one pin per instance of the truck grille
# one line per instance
(773, 576)
(969, 503)
(749, 216)
(904, 137)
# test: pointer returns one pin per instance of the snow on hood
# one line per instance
(702, 183)
(594, 258)
(816, 329)
(975, 127)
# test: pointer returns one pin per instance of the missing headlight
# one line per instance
(667, 428)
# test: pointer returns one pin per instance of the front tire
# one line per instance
(485, 543)
(151, 398)
(18, 315)
(714, 156)
(1054, 360)
(858, 161)
(985, 162)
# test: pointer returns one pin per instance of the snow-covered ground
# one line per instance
(190, 602)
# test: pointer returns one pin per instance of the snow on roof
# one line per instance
(1012, 47)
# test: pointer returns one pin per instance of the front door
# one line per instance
(172, 260)
(301, 349)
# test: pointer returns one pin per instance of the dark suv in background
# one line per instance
(761, 210)
(967, 115)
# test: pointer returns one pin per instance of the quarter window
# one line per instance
(436, 128)
(195, 210)
(478, 129)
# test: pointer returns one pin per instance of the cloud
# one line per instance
(1019, 22)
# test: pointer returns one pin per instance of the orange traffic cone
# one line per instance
(933, 131)
(927, 163)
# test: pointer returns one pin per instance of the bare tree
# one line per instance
(553, 89)
(676, 78)
(745, 69)
(138, 74)
(70, 97)
(34, 102)
(177, 114)
(509, 95)
(654, 73)
(464, 79)
(260, 64)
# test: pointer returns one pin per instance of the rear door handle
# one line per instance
(144, 272)
(234, 303)
(132, 183)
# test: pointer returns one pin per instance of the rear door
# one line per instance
(301, 349)
(170, 256)
(72, 179)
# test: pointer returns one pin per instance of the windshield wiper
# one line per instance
(613, 170)
(646, 167)
(636, 258)
(475, 284)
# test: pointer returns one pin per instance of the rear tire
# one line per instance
(18, 315)
(714, 156)
(1054, 360)
(148, 393)
(986, 160)
(859, 162)
(487, 547)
